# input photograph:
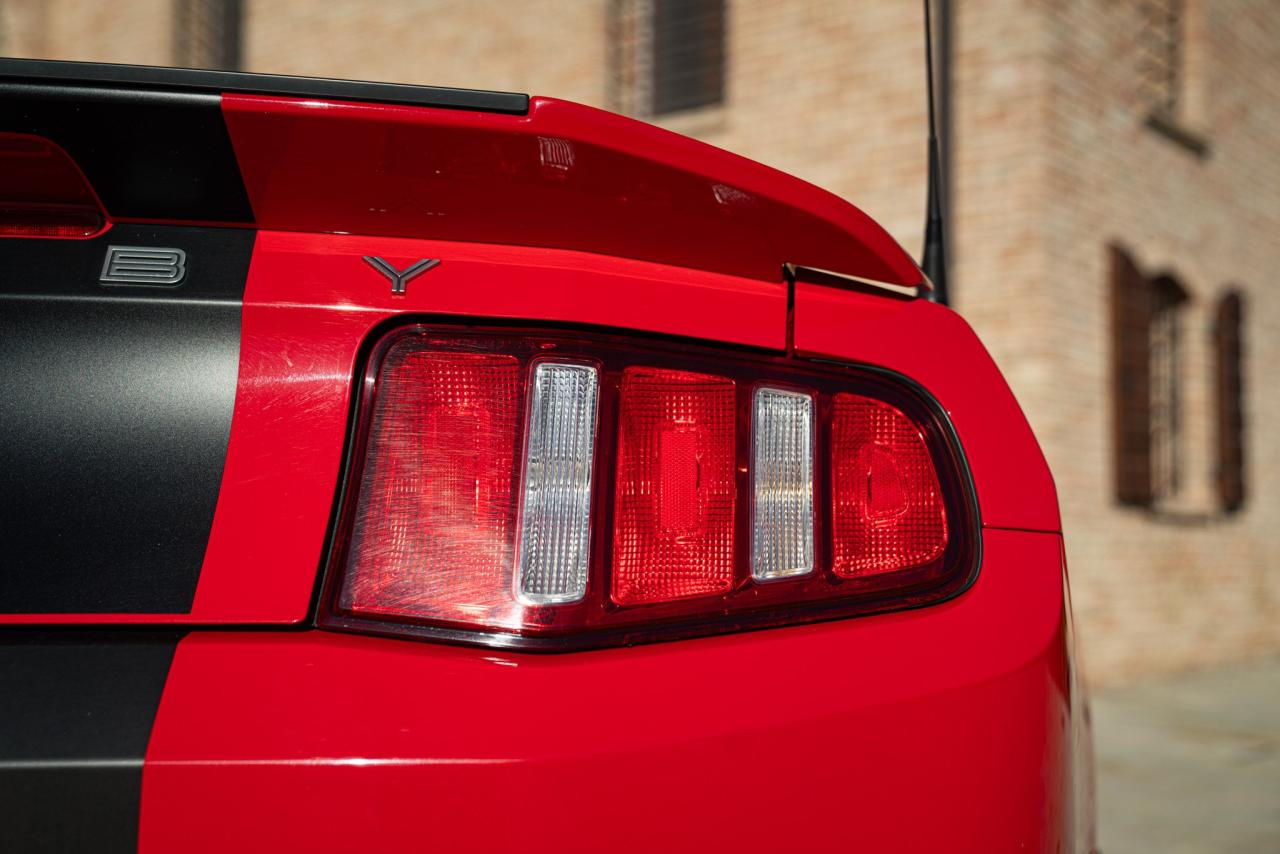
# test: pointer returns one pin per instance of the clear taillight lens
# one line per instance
(553, 490)
(782, 445)
(555, 516)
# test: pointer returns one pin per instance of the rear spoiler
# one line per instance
(216, 82)
(316, 155)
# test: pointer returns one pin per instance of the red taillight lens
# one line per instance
(567, 490)
(887, 508)
(43, 193)
(432, 534)
(674, 498)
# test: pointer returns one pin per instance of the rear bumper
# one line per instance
(945, 728)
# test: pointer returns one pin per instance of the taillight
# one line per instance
(43, 193)
(555, 500)
(886, 503)
(569, 490)
(434, 532)
(782, 441)
(675, 486)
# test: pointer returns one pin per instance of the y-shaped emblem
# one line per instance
(400, 278)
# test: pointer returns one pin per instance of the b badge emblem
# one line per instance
(143, 265)
(400, 278)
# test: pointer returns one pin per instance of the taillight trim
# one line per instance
(957, 571)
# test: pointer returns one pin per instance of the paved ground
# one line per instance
(1191, 764)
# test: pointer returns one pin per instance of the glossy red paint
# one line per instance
(937, 349)
(955, 735)
(563, 176)
(311, 302)
(958, 726)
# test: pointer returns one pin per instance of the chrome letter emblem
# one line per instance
(400, 278)
(143, 265)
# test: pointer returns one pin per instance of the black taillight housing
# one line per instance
(546, 489)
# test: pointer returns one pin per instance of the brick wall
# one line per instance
(1053, 162)
(486, 44)
(135, 31)
(1189, 586)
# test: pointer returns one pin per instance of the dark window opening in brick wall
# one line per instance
(1228, 348)
(1170, 60)
(207, 34)
(688, 54)
(665, 56)
(1160, 54)
(1146, 389)
(1165, 333)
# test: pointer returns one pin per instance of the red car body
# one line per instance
(959, 725)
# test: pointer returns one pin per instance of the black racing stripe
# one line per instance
(152, 155)
(115, 413)
(76, 712)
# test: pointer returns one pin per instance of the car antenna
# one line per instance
(934, 260)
